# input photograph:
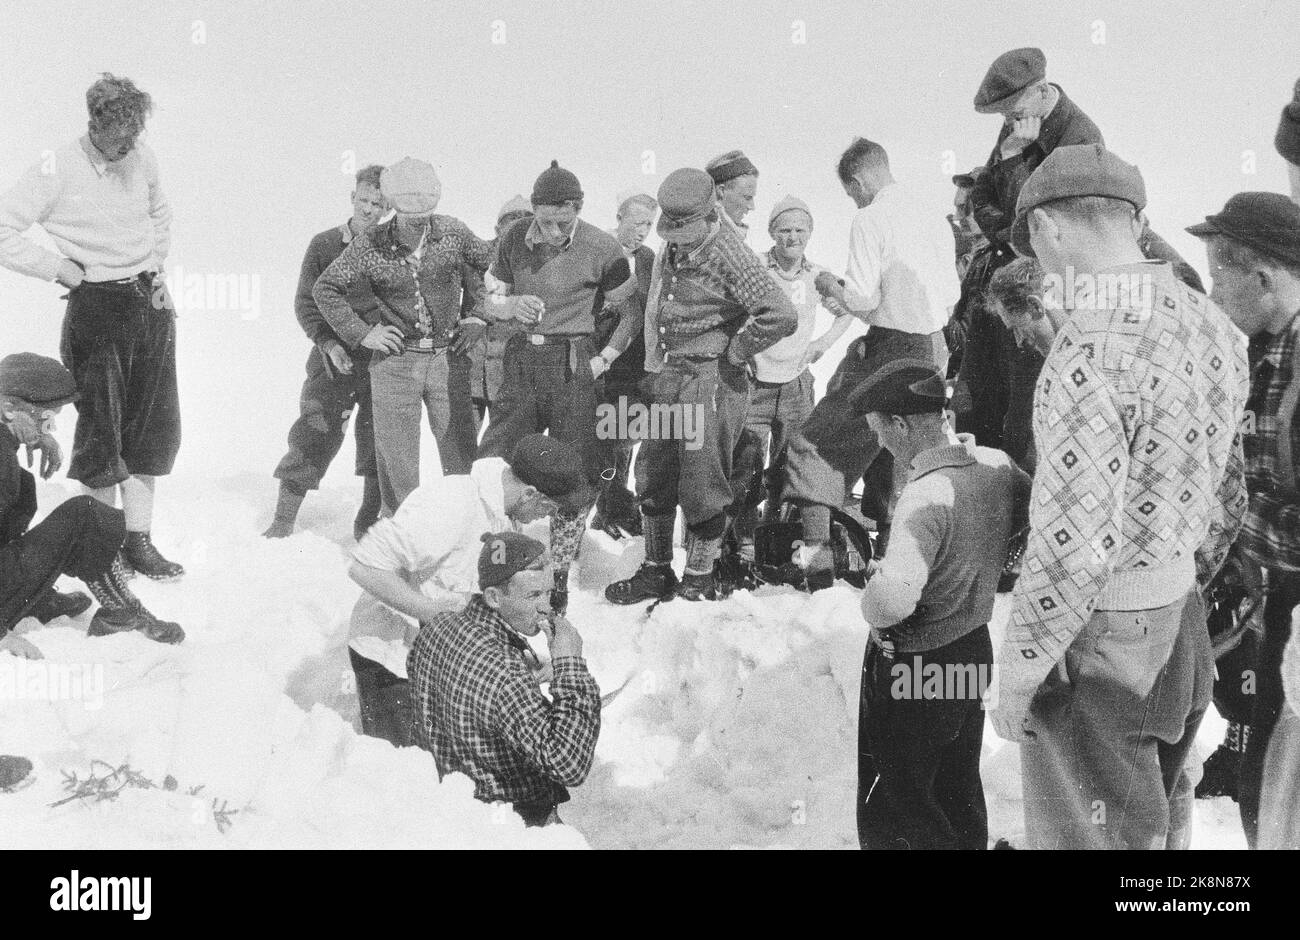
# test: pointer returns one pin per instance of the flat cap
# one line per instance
(902, 387)
(37, 379)
(1079, 170)
(729, 165)
(1267, 222)
(685, 196)
(1011, 73)
(411, 185)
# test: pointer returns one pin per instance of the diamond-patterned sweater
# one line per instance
(1136, 419)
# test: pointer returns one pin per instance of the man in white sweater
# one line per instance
(423, 561)
(100, 201)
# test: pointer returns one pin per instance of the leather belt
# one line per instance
(551, 339)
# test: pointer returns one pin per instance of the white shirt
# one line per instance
(433, 541)
(783, 360)
(900, 264)
(110, 217)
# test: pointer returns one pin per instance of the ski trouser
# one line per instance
(1113, 734)
(777, 411)
(80, 538)
(324, 407)
(119, 343)
(919, 758)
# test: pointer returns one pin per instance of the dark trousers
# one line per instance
(616, 499)
(547, 388)
(919, 759)
(692, 467)
(327, 399)
(777, 411)
(836, 445)
(385, 701)
(119, 343)
(1283, 596)
(1107, 767)
(80, 538)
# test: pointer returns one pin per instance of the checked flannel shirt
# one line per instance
(478, 708)
(419, 293)
(1140, 486)
(1270, 534)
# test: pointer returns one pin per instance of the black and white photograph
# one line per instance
(679, 425)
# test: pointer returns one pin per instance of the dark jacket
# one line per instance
(995, 193)
(629, 367)
(322, 251)
(17, 490)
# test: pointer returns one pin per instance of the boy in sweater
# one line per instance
(928, 602)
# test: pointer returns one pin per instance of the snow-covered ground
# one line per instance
(737, 725)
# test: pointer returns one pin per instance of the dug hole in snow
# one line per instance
(735, 725)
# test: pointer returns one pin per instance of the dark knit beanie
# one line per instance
(555, 186)
(504, 555)
(730, 165)
(1287, 140)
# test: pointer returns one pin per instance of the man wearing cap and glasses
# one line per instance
(421, 561)
(419, 265)
(712, 307)
(928, 603)
(1253, 246)
(616, 512)
(1106, 665)
(100, 200)
(477, 704)
(80, 538)
(557, 273)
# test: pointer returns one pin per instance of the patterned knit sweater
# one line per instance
(1136, 417)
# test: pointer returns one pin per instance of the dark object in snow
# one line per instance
(141, 554)
(55, 604)
(13, 771)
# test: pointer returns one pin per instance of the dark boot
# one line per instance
(120, 611)
(700, 582)
(651, 582)
(1221, 772)
(54, 604)
(698, 587)
(13, 771)
(286, 511)
(368, 514)
(139, 552)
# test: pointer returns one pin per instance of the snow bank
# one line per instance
(735, 724)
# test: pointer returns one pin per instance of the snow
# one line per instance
(735, 725)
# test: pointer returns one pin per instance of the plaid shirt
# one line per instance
(1270, 534)
(479, 709)
(420, 296)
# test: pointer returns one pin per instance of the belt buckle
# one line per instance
(537, 339)
(424, 343)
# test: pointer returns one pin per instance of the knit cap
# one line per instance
(903, 387)
(515, 203)
(555, 186)
(37, 379)
(411, 186)
(729, 165)
(505, 554)
(788, 204)
(1287, 140)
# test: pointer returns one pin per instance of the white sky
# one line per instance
(253, 122)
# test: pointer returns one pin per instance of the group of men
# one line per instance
(1113, 448)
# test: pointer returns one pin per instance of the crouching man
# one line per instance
(80, 538)
(478, 706)
(421, 562)
(929, 602)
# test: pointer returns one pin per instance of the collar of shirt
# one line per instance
(533, 237)
(491, 620)
(345, 230)
(98, 161)
(486, 474)
(1053, 126)
(676, 258)
(961, 454)
(805, 266)
(385, 238)
(1276, 344)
